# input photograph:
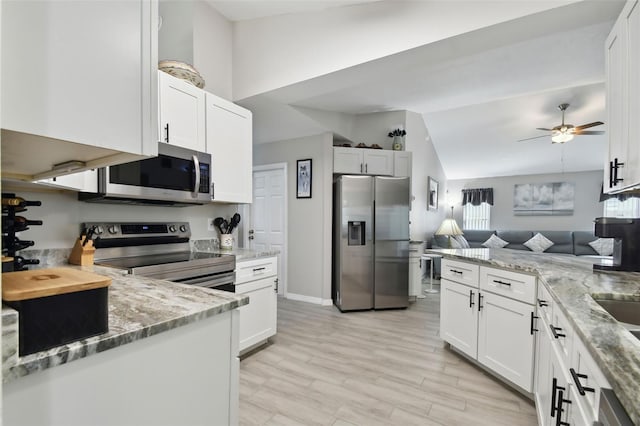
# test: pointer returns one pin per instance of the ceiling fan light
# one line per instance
(561, 137)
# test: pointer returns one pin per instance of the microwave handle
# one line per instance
(196, 164)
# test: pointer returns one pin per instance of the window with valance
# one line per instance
(476, 208)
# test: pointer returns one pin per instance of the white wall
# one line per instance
(425, 163)
(309, 227)
(62, 215)
(277, 51)
(212, 56)
(194, 32)
(586, 207)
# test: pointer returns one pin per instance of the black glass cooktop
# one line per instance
(157, 259)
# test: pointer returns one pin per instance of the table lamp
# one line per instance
(449, 227)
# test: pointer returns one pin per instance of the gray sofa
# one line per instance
(565, 242)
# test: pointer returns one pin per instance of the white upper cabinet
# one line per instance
(79, 83)
(229, 141)
(622, 60)
(402, 163)
(182, 113)
(362, 161)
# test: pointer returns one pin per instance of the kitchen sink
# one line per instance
(627, 311)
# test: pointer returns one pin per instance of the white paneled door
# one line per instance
(268, 215)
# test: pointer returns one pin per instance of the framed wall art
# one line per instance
(432, 196)
(303, 182)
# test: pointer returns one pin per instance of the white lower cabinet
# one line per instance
(495, 330)
(568, 381)
(459, 317)
(257, 279)
(505, 338)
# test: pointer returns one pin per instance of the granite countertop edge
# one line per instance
(158, 304)
(571, 282)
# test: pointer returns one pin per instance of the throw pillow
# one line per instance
(462, 241)
(604, 246)
(538, 243)
(455, 244)
(495, 242)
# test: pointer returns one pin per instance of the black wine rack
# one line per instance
(13, 223)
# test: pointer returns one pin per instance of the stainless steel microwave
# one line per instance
(177, 176)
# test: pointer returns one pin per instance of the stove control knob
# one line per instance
(172, 228)
(113, 229)
(99, 230)
(183, 228)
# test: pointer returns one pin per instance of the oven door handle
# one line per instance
(211, 281)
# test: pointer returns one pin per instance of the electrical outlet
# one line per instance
(210, 225)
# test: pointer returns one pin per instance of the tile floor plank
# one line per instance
(370, 368)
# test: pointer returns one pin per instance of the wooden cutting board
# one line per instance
(24, 285)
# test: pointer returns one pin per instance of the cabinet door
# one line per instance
(617, 98)
(348, 160)
(542, 386)
(459, 317)
(378, 162)
(79, 82)
(402, 163)
(632, 165)
(182, 113)
(229, 141)
(258, 318)
(505, 338)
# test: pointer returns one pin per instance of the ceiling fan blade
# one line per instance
(543, 129)
(535, 137)
(591, 132)
(586, 126)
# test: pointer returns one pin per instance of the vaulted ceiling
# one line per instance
(479, 93)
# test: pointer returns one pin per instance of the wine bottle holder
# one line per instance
(12, 224)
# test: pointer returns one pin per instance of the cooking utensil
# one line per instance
(90, 233)
(235, 220)
(224, 226)
(216, 222)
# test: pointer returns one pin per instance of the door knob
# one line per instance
(251, 237)
(251, 231)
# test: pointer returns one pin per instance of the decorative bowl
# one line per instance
(183, 71)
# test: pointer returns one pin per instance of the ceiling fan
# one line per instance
(565, 132)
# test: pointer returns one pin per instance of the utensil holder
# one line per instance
(82, 254)
(226, 242)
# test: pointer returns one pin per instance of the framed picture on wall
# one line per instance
(303, 182)
(432, 196)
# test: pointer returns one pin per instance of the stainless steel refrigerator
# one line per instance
(371, 242)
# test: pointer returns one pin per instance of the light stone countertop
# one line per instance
(241, 254)
(139, 307)
(571, 282)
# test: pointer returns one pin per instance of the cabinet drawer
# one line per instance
(587, 375)
(254, 269)
(510, 284)
(563, 335)
(461, 272)
(544, 303)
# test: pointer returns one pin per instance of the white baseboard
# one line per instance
(309, 299)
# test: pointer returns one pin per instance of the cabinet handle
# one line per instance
(276, 287)
(360, 167)
(480, 296)
(533, 317)
(554, 331)
(166, 128)
(213, 190)
(455, 272)
(611, 174)
(502, 282)
(366, 168)
(471, 299)
(559, 410)
(582, 390)
(554, 389)
(616, 166)
(542, 303)
(259, 269)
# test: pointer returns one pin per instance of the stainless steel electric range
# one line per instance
(159, 250)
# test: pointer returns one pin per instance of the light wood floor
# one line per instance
(370, 368)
